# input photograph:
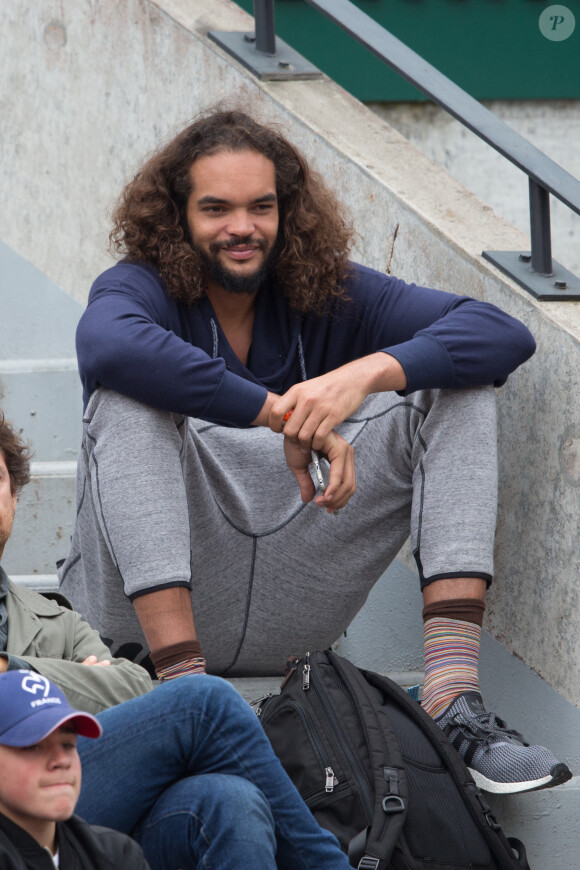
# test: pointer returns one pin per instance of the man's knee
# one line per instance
(479, 400)
(455, 420)
(218, 818)
(107, 405)
(214, 695)
(241, 805)
(122, 431)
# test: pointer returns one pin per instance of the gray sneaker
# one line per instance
(499, 759)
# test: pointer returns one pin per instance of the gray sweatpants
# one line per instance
(165, 500)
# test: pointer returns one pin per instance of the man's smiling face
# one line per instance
(232, 213)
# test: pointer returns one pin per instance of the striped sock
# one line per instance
(451, 654)
(194, 665)
(178, 660)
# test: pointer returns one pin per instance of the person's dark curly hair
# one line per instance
(313, 239)
(16, 454)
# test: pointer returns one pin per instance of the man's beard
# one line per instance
(233, 282)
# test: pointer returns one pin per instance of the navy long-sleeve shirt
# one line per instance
(134, 338)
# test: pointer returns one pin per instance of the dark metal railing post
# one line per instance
(540, 232)
(265, 26)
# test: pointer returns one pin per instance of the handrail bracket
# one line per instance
(535, 270)
(265, 55)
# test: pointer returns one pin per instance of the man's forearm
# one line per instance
(92, 688)
(322, 403)
(379, 372)
(263, 417)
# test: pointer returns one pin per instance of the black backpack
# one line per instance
(378, 772)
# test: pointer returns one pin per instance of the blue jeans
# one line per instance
(188, 770)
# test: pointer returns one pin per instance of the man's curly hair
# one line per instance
(16, 454)
(314, 236)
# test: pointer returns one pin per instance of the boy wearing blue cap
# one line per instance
(40, 782)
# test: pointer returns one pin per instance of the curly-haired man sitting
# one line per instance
(235, 338)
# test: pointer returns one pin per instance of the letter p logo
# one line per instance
(557, 23)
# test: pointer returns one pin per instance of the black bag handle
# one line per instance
(520, 850)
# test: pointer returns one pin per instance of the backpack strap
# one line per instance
(392, 803)
(356, 848)
(373, 846)
(368, 863)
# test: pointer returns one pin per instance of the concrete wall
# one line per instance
(91, 85)
(553, 127)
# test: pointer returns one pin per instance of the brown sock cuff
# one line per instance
(177, 652)
(464, 609)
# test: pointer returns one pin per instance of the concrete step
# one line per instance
(42, 398)
(40, 393)
(252, 688)
(44, 521)
(547, 823)
(38, 318)
(38, 582)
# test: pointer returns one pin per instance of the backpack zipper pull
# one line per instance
(258, 704)
(331, 780)
(306, 673)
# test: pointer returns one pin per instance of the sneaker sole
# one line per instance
(559, 774)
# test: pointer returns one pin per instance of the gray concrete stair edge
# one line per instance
(44, 402)
(44, 522)
(38, 318)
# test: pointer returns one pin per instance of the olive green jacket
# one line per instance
(55, 641)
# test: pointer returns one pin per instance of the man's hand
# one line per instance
(92, 660)
(319, 405)
(342, 482)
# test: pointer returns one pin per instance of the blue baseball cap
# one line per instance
(31, 708)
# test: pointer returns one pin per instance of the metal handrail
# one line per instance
(545, 176)
(441, 90)
(543, 173)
